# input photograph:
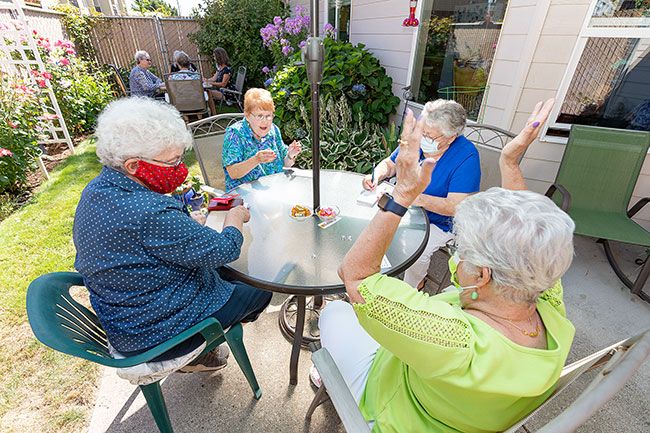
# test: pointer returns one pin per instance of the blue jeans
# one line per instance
(245, 305)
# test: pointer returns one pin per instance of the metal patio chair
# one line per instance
(60, 322)
(489, 140)
(594, 185)
(208, 136)
(617, 364)
(188, 96)
(119, 81)
(236, 94)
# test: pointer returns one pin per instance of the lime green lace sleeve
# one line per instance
(429, 335)
(555, 297)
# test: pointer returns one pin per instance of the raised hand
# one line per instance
(294, 149)
(412, 176)
(513, 151)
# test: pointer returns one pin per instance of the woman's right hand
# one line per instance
(368, 183)
(241, 213)
(265, 155)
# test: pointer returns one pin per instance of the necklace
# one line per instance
(531, 334)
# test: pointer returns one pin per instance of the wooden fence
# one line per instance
(116, 39)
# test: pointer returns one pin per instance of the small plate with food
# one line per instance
(300, 212)
(328, 213)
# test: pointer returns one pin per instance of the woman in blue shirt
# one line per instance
(456, 175)
(150, 267)
(253, 147)
(141, 81)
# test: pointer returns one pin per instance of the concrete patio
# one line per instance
(601, 308)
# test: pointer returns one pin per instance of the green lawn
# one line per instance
(42, 390)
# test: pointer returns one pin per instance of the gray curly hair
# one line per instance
(521, 236)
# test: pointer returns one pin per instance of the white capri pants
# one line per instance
(418, 270)
(352, 349)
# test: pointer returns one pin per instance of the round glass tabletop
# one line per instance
(284, 254)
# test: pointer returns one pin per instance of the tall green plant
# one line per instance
(78, 27)
(235, 26)
(349, 71)
(346, 144)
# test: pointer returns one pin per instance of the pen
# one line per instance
(372, 177)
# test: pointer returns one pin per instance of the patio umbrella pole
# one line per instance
(314, 54)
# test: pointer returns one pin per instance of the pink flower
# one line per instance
(47, 75)
(64, 62)
(49, 116)
(34, 32)
(12, 124)
(41, 83)
(70, 51)
(35, 72)
(5, 152)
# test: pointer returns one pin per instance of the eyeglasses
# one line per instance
(431, 140)
(175, 163)
(261, 117)
(148, 60)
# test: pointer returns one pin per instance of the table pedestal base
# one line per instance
(295, 311)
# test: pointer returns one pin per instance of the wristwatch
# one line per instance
(387, 204)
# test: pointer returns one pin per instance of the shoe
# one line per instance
(214, 360)
(314, 377)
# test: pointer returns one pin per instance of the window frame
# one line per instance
(586, 32)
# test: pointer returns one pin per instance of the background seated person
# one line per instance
(141, 81)
(473, 359)
(184, 70)
(176, 67)
(150, 267)
(253, 147)
(221, 78)
(456, 175)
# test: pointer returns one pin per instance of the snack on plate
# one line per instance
(327, 212)
(299, 211)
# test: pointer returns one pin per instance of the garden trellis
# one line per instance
(19, 56)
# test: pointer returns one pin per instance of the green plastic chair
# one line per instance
(597, 175)
(59, 322)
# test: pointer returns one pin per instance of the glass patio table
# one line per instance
(282, 254)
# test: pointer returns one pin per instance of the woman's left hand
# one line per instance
(199, 217)
(294, 149)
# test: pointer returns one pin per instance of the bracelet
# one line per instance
(400, 141)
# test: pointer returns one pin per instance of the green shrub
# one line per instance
(78, 27)
(20, 109)
(347, 144)
(349, 71)
(81, 91)
(235, 26)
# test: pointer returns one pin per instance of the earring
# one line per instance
(474, 295)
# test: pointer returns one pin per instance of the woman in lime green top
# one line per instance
(476, 359)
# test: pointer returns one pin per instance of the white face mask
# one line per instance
(429, 145)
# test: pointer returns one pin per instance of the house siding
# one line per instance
(508, 105)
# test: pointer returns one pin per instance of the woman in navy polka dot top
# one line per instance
(150, 267)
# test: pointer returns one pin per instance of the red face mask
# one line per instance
(159, 178)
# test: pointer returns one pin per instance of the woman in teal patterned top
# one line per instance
(253, 147)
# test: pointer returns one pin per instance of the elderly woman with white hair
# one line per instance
(456, 175)
(474, 359)
(151, 268)
(143, 82)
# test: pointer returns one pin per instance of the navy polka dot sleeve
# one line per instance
(150, 269)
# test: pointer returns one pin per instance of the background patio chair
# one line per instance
(597, 175)
(60, 322)
(188, 96)
(619, 362)
(236, 94)
(119, 81)
(208, 144)
(489, 141)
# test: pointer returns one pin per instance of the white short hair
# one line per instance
(139, 127)
(139, 55)
(521, 236)
(447, 115)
